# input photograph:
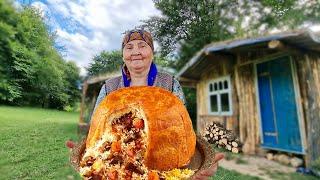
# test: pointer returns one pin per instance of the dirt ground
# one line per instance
(255, 166)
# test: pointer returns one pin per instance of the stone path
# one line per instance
(255, 166)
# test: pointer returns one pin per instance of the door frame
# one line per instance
(296, 89)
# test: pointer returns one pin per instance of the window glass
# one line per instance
(214, 103)
(220, 85)
(220, 96)
(225, 106)
(225, 84)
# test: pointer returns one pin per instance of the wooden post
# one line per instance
(82, 106)
(312, 85)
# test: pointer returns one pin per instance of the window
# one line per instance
(220, 100)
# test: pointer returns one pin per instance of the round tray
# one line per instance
(201, 160)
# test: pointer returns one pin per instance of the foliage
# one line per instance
(105, 62)
(186, 26)
(32, 71)
(184, 23)
(191, 97)
(316, 164)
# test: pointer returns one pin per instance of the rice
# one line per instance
(177, 174)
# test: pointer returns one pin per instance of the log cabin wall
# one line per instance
(220, 67)
(249, 126)
(308, 70)
(245, 118)
(249, 122)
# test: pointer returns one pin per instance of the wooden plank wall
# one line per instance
(245, 119)
(221, 67)
(308, 69)
(249, 125)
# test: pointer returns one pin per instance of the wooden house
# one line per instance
(265, 89)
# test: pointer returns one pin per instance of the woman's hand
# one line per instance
(205, 174)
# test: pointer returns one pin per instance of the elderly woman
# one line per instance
(139, 70)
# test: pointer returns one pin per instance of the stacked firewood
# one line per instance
(216, 134)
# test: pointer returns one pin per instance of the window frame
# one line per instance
(218, 93)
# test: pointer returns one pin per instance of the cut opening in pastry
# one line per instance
(119, 154)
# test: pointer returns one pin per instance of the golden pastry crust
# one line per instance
(170, 136)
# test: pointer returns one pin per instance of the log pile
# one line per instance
(285, 159)
(216, 134)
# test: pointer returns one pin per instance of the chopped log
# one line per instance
(235, 150)
(224, 141)
(269, 156)
(218, 135)
(221, 133)
(234, 144)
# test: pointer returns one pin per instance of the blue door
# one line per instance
(278, 110)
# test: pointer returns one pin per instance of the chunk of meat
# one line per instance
(138, 144)
(128, 175)
(116, 159)
(116, 146)
(132, 167)
(138, 123)
(88, 161)
(106, 146)
(125, 120)
(96, 177)
(112, 175)
(130, 152)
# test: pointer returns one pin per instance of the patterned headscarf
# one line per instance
(144, 36)
(138, 35)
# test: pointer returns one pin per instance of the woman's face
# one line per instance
(137, 56)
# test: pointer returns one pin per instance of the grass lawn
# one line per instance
(32, 145)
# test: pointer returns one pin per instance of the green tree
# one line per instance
(105, 62)
(9, 90)
(186, 26)
(72, 79)
(32, 71)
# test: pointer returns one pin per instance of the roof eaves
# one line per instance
(193, 60)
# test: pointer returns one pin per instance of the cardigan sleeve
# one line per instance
(177, 90)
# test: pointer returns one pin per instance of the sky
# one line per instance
(86, 27)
